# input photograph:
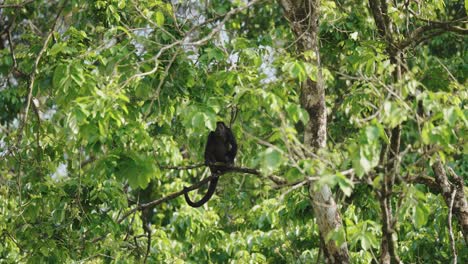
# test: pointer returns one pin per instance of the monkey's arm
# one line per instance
(231, 154)
(207, 197)
(209, 148)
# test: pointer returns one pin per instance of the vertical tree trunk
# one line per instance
(303, 17)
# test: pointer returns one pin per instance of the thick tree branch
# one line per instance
(187, 189)
(432, 29)
(377, 13)
(460, 206)
(278, 180)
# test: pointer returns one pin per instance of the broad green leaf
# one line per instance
(159, 18)
(60, 79)
(345, 184)
(138, 169)
(421, 215)
(393, 114)
(293, 174)
(198, 120)
(57, 48)
(337, 235)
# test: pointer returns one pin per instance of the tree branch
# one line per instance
(278, 180)
(20, 5)
(452, 239)
(165, 198)
(433, 28)
(460, 206)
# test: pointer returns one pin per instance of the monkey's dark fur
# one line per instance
(221, 147)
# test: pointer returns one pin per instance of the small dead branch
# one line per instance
(452, 239)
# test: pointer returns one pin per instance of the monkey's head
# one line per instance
(220, 128)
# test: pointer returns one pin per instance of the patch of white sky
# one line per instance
(60, 173)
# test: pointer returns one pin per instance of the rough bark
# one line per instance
(388, 250)
(303, 18)
(460, 205)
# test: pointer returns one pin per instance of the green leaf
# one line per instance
(138, 169)
(210, 120)
(271, 160)
(372, 133)
(337, 235)
(421, 215)
(365, 242)
(198, 120)
(77, 74)
(159, 18)
(293, 174)
(295, 69)
(215, 53)
(57, 48)
(60, 79)
(393, 114)
(345, 184)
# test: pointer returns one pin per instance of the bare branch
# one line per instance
(148, 245)
(452, 239)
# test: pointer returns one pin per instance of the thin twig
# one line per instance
(452, 239)
(10, 43)
(148, 245)
(161, 82)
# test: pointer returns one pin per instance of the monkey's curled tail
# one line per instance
(206, 198)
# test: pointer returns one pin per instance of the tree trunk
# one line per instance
(303, 18)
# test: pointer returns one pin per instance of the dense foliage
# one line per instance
(100, 99)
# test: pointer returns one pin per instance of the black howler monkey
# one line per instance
(221, 147)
